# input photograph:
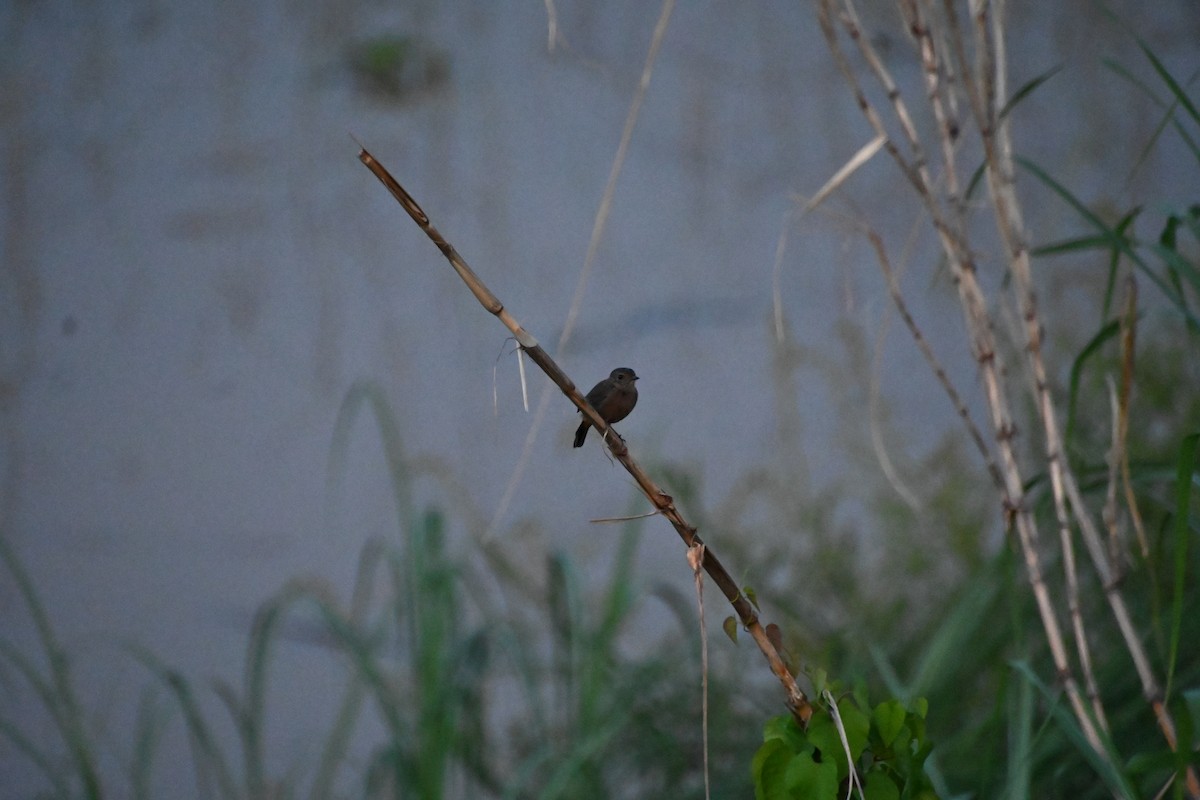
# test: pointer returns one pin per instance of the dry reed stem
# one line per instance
(695, 557)
(1128, 350)
(950, 225)
(984, 81)
(1116, 457)
(796, 700)
(1011, 227)
(943, 378)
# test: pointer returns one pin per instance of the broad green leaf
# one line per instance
(769, 769)
(809, 780)
(878, 786)
(857, 724)
(889, 719)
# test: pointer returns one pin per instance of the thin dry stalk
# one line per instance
(989, 48)
(1111, 514)
(695, 557)
(1128, 349)
(939, 87)
(949, 221)
(598, 225)
(796, 700)
(1001, 183)
(914, 330)
(982, 77)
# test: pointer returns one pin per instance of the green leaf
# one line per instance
(809, 780)
(879, 786)
(920, 707)
(889, 719)
(769, 769)
(820, 680)
(823, 734)
(857, 724)
(824, 737)
(784, 728)
(730, 626)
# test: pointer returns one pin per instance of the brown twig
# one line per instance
(939, 372)
(796, 700)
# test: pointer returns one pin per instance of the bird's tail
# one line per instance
(581, 433)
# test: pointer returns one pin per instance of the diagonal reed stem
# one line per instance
(796, 700)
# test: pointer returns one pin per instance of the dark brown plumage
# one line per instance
(613, 398)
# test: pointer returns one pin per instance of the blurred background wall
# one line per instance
(195, 269)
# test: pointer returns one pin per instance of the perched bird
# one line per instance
(613, 398)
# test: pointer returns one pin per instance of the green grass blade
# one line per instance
(1101, 242)
(1021, 94)
(1019, 765)
(570, 630)
(1114, 260)
(618, 600)
(1028, 88)
(43, 688)
(432, 616)
(1105, 766)
(369, 395)
(1185, 470)
(208, 757)
(584, 752)
(1169, 116)
(1178, 267)
(526, 772)
(1120, 70)
(333, 752)
(1180, 95)
(356, 642)
(148, 729)
(1115, 240)
(1106, 332)
(965, 639)
(61, 700)
(51, 769)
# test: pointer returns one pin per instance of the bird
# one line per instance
(613, 398)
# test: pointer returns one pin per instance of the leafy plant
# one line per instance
(881, 751)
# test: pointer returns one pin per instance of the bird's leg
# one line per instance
(620, 438)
